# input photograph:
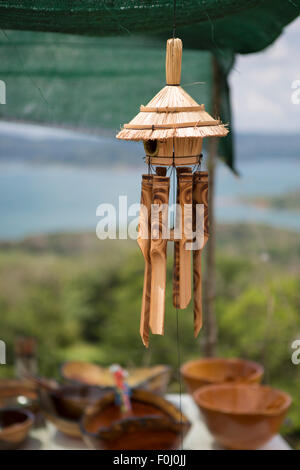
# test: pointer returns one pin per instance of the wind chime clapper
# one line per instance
(172, 127)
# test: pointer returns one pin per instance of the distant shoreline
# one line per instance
(84, 150)
(288, 201)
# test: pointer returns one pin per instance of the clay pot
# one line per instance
(64, 405)
(154, 379)
(208, 371)
(18, 393)
(242, 416)
(154, 423)
(15, 425)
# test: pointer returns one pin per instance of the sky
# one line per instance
(261, 86)
(261, 91)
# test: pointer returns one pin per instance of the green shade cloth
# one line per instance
(241, 25)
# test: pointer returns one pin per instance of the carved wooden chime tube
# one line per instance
(182, 257)
(144, 241)
(200, 196)
(158, 251)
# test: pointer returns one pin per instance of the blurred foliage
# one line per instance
(81, 299)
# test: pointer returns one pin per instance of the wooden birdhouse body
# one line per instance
(175, 151)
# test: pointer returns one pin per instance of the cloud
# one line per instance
(261, 86)
(256, 102)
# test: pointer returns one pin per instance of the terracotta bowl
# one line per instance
(64, 405)
(154, 423)
(154, 379)
(17, 393)
(218, 370)
(15, 425)
(242, 416)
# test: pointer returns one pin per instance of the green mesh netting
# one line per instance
(241, 25)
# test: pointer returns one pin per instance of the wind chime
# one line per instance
(172, 127)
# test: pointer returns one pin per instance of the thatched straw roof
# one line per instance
(172, 112)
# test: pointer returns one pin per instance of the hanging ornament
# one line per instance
(172, 127)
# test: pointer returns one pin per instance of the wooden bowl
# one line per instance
(15, 425)
(154, 379)
(242, 416)
(154, 423)
(18, 393)
(218, 370)
(64, 406)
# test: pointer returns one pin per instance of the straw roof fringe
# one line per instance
(172, 112)
(201, 132)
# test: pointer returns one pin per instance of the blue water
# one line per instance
(258, 178)
(43, 199)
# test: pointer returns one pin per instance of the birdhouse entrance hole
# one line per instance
(151, 147)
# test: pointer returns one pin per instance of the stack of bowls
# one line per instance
(238, 411)
(86, 408)
(91, 413)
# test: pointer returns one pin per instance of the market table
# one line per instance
(199, 438)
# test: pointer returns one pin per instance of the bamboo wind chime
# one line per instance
(172, 127)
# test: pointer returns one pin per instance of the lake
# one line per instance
(42, 199)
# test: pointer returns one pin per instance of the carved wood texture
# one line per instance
(144, 242)
(200, 196)
(182, 256)
(158, 253)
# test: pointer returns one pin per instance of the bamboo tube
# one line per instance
(144, 243)
(183, 280)
(158, 253)
(197, 283)
(173, 61)
(178, 298)
(200, 195)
